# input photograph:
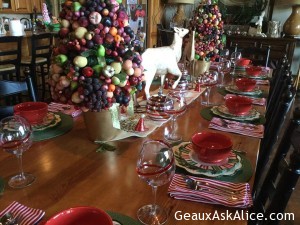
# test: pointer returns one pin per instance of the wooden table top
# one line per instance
(69, 172)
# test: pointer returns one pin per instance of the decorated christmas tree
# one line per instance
(208, 25)
(94, 64)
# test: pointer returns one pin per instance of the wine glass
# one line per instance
(174, 106)
(209, 79)
(15, 138)
(224, 54)
(156, 166)
(234, 57)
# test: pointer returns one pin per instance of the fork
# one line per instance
(200, 185)
(9, 219)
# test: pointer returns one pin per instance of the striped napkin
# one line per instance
(179, 190)
(64, 108)
(246, 129)
(262, 82)
(26, 215)
(255, 101)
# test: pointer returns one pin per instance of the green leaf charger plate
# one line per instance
(209, 112)
(59, 126)
(120, 219)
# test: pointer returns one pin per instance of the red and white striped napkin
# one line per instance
(64, 108)
(255, 101)
(262, 82)
(179, 190)
(26, 215)
(246, 129)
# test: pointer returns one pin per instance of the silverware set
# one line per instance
(227, 193)
(9, 219)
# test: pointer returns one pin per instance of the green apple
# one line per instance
(117, 66)
(89, 35)
(123, 83)
(115, 80)
(101, 51)
(97, 68)
(76, 6)
(61, 59)
(80, 61)
(80, 32)
(65, 23)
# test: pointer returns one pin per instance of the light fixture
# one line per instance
(179, 17)
(291, 27)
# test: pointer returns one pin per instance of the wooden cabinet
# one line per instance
(37, 4)
(279, 46)
(20, 6)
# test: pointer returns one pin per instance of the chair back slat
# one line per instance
(11, 53)
(272, 131)
(41, 46)
(274, 193)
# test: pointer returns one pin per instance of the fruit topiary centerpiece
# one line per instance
(94, 63)
(208, 25)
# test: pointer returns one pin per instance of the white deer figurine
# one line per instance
(163, 60)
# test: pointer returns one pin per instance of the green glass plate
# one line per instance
(120, 219)
(261, 94)
(65, 125)
(242, 175)
(207, 114)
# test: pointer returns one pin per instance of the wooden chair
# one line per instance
(284, 83)
(258, 55)
(277, 75)
(282, 176)
(272, 131)
(37, 65)
(12, 88)
(10, 57)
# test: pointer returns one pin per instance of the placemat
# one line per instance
(120, 219)
(63, 127)
(207, 114)
(222, 91)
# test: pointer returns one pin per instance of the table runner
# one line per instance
(150, 124)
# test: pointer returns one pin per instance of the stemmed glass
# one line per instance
(15, 138)
(209, 79)
(234, 57)
(174, 106)
(224, 65)
(156, 166)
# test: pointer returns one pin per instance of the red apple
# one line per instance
(87, 71)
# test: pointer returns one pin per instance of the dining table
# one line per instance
(71, 171)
